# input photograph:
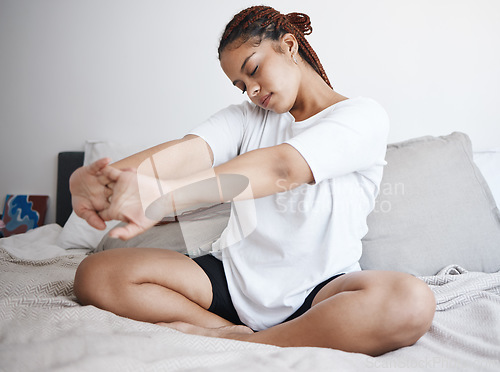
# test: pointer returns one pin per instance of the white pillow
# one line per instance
(95, 150)
(77, 233)
(488, 163)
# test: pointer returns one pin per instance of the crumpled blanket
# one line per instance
(43, 328)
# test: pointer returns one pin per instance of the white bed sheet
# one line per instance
(43, 328)
(38, 244)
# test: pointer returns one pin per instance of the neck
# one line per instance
(314, 95)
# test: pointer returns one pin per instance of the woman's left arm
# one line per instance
(269, 170)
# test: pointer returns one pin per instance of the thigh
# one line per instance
(379, 281)
(111, 270)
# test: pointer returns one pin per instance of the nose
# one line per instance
(253, 90)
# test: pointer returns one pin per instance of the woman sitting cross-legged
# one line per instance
(285, 270)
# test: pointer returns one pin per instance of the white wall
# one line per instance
(146, 71)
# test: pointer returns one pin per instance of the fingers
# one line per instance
(108, 196)
(108, 215)
(93, 219)
(99, 199)
(106, 174)
(98, 165)
(126, 232)
(111, 173)
(108, 191)
(103, 180)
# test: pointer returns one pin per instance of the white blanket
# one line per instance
(42, 328)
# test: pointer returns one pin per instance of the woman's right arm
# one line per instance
(181, 155)
(178, 158)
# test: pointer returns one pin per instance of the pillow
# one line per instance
(488, 163)
(77, 233)
(95, 150)
(193, 234)
(434, 209)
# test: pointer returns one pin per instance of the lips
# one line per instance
(265, 100)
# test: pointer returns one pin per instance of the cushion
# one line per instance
(77, 233)
(95, 150)
(434, 209)
(488, 163)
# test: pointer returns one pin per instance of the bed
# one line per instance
(436, 217)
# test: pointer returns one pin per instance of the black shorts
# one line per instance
(221, 302)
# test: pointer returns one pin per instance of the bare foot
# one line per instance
(234, 332)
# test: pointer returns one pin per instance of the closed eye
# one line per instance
(243, 91)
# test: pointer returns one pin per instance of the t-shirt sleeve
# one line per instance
(352, 138)
(223, 132)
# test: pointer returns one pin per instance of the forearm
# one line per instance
(252, 175)
(172, 159)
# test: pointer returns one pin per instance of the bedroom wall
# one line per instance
(146, 71)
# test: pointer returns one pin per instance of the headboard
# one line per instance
(67, 163)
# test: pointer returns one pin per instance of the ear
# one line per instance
(289, 44)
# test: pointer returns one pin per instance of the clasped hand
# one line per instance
(101, 193)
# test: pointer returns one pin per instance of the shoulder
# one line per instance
(361, 105)
(246, 108)
(242, 113)
(255, 113)
(360, 110)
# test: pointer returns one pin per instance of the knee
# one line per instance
(411, 310)
(91, 280)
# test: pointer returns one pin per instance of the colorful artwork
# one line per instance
(23, 212)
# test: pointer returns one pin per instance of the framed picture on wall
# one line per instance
(23, 212)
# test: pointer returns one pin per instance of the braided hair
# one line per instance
(264, 22)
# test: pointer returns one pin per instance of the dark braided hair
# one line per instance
(264, 22)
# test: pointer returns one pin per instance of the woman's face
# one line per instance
(269, 77)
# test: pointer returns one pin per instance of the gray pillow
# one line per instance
(193, 234)
(434, 209)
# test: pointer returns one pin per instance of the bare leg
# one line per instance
(152, 285)
(371, 312)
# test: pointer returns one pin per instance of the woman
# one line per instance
(313, 159)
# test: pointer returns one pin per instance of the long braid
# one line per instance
(259, 21)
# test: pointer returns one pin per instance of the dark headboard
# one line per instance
(67, 163)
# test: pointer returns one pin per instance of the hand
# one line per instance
(126, 204)
(89, 193)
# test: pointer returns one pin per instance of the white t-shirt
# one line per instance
(303, 236)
